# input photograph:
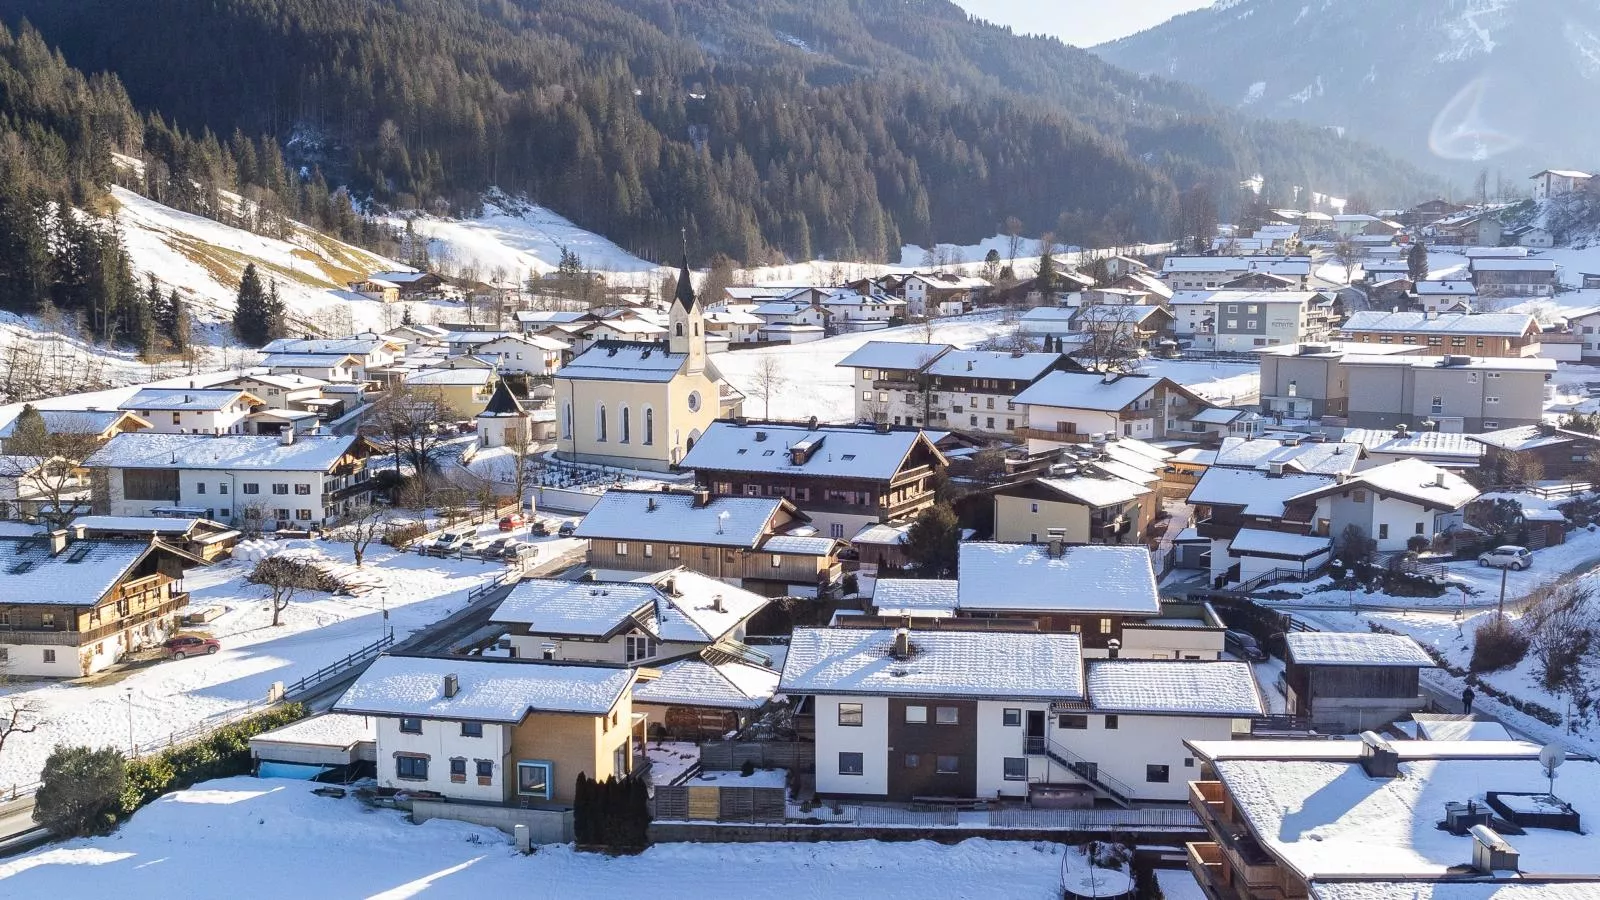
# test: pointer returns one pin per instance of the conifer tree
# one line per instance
(251, 316)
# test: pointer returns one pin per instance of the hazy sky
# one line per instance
(1081, 22)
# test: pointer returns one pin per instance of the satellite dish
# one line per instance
(1552, 756)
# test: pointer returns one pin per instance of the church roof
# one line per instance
(685, 293)
(502, 402)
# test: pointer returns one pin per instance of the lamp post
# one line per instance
(133, 749)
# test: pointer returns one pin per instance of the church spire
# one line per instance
(685, 293)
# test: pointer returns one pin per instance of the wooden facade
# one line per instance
(908, 492)
(915, 750)
(751, 567)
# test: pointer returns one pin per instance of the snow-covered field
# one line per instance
(317, 629)
(267, 838)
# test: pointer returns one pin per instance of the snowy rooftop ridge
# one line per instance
(1508, 324)
(1082, 390)
(78, 576)
(624, 361)
(695, 682)
(993, 664)
(1201, 688)
(1356, 648)
(147, 450)
(679, 518)
(676, 605)
(202, 399)
(844, 451)
(915, 596)
(501, 691)
(1016, 577)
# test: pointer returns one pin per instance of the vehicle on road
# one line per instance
(539, 528)
(451, 541)
(187, 645)
(511, 522)
(497, 547)
(567, 529)
(1243, 645)
(1509, 556)
(476, 544)
(517, 550)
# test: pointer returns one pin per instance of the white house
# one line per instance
(851, 310)
(192, 410)
(1073, 407)
(1396, 502)
(903, 714)
(525, 354)
(1259, 521)
(279, 391)
(287, 481)
(1447, 296)
(1196, 273)
(1246, 320)
(332, 368)
(1555, 182)
(370, 353)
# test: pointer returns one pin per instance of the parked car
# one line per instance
(1508, 557)
(515, 550)
(497, 547)
(567, 529)
(451, 541)
(477, 544)
(511, 522)
(539, 528)
(1243, 645)
(190, 645)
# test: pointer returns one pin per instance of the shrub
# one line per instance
(1497, 645)
(748, 769)
(403, 536)
(850, 585)
(1417, 543)
(80, 790)
(219, 754)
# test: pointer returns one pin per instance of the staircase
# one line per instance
(1118, 792)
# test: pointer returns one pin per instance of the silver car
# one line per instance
(1508, 557)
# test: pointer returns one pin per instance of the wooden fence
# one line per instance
(732, 755)
(688, 802)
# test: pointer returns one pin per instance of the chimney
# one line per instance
(902, 643)
(1054, 547)
(1275, 469)
(590, 575)
(286, 436)
(452, 685)
(1378, 756)
(1438, 479)
(882, 427)
(1113, 647)
(702, 498)
(716, 604)
(650, 504)
(969, 365)
(58, 541)
(1491, 853)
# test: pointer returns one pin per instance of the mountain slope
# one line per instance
(1468, 84)
(835, 127)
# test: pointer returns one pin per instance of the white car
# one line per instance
(451, 541)
(1508, 557)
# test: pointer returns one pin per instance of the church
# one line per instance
(643, 404)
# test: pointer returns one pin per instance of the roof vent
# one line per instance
(452, 685)
(1378, 757)
(902, 643)
(650, 504)
(716, 604)
(1275, 469)
(1490, 852)
(761, 436)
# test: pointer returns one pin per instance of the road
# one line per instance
(18, 832)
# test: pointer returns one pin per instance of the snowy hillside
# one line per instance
(1445, 80)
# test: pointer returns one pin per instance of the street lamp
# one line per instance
(133, 749)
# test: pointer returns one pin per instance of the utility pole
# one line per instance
(1504, 570)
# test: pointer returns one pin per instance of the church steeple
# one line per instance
(687, 323)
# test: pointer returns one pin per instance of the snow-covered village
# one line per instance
(862, 450)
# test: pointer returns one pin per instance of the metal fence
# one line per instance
(909, 818)
(732, 755)
(1092, 819)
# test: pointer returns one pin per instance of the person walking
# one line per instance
(1466, 700)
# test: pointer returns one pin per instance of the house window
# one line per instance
(1072, 722)
(1111, 723)
(777, 561)
(222, 488)
(485, 769)
(566, 421)
(622, 548)
(1011, 718)
(639, 646)
(916, 715)
(458, 769)
(649, 426)
(411, 768)
(867, 396)
(1105, 626)
(948, 765)
(1156, 774)
(1490, 424)
(674, 551)
(850, 715)
(1016, 768)
(200, 488)
(410, 725)
(1491, 399)
(913, 760)
(303, 515)
(1419, 528)
(251, 487)
(947, 715)
(48, 620)
(627, 425)
(1383, 531)
(472, 729)
(1250, 324)
(49, 655)
(600, 422)
(533, 778)
(851, 763)
(1358, 496)
(280, 489)
(1035, 507)
(302, 489)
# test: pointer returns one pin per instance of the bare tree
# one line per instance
(408, 421)
(1113, 343)
(1013, 240)
(1559, 625)
(19, 714)
(521, 443)
(285, 577)
(45, 465)
(769, 380)
(364, 523)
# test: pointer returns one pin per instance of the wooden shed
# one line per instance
(1353, 681)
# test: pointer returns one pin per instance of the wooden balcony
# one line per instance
(1210, 802)
(1060, 437)
(1207, 867)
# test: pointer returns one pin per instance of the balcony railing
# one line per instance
(1205, 863)
(1061, 437)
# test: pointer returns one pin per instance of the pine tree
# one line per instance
(276, 313)
(405, 315)
(251, 315)
(1417, 261)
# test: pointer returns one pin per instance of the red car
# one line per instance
(190, 645)
(511, 522)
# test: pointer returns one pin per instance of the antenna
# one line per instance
(1551, 757)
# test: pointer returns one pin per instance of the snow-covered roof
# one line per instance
(967, 664)
(1218, 415)
(1292, 266)
(894, 355)
(1025, 577)
(799, 545)
(397, 277)
(1417, 481)
(624, 361)
(1168, 687)
(1260, 493)
(1446, 289)
(1354, 648)
(675, 518)
(833, 451)
(1420, 443)
(1564, 173)
(1052, 314)
(1094, 491)
(695, 682)
(285, 382)
(307, 360)
(72, 421)
(1116, 314)
(546, 315)
(1314, 457)
(1329, 819)
(930, 597)
(881, 533)
(1083, 390)
(194, 399)
(474, 337)
(1481, 364)
(328, 347)
(1514, 265)
(143, 524)
(498, 691)
(1458, 728)
(1526, 437)
(1506, 324)
(147, 450)
(993, 364)
(676, 605)
(1257, 542)
(341, 730)
(79, 575)
(466, 376)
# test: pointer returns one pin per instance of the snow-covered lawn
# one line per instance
(250, 838)
(317, 629)
(1223, 383)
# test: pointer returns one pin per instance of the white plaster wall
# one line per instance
(871, 740)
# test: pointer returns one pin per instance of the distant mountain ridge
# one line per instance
(1467, 85)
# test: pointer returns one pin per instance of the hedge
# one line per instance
(1527, 707)
(221, 753)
